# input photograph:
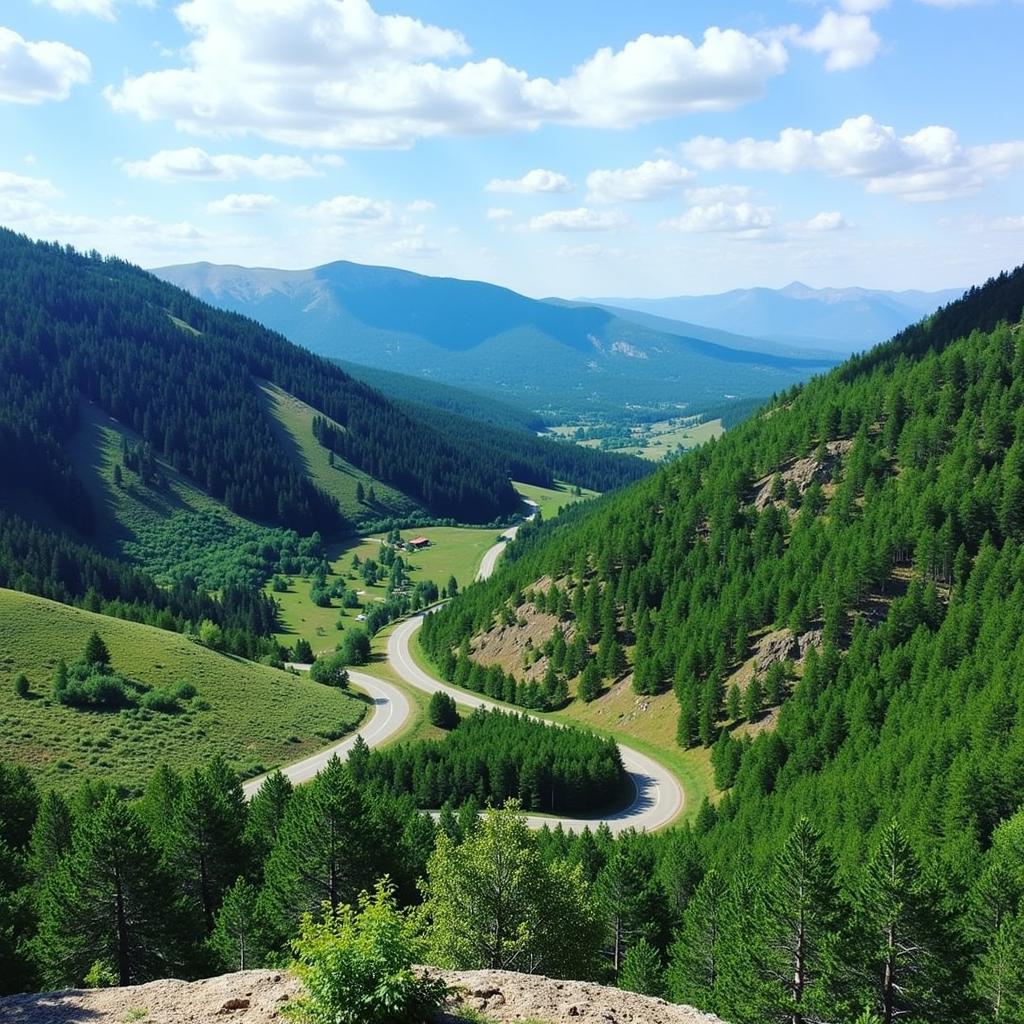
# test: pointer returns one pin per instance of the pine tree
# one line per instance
(109, 902)
(642, 971)
(204, 843)
(327, 850)
(752, 699)
(266, 814)
(52, 835)
(590, 683)
(695, 959)
(96, 652)
(239, 938)
(914, 955)
(803, 918)
(732, 703)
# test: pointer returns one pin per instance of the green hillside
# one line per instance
(332, 474)
(256, 717)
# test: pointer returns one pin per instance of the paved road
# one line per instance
(388, 715)
(657, 799)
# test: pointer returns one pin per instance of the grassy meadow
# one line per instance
(257, 717)
(294, 420)
(551, 499)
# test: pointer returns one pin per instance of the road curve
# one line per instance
(389, 713)
(657, 799)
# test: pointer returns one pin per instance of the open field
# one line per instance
(454, 551)
(654, 441)
(257, 717)
(294, 420)
(550, 500)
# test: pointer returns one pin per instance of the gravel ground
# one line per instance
(258, 997)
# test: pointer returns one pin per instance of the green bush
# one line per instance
(354, 647)
(329, 671)
(356, 965)
(21, 684)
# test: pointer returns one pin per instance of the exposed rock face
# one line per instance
(258, 997)
(803, 472)
(505, 997)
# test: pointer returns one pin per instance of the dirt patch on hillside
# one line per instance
(803, 472)
(509, 646)
(259, 997)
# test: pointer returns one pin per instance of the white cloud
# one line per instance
(499, 213)
(342, 210)
(863, 6)
(329, 160)
(580, 219)
(741, 218)
(36, 72)
(100, 8)
(414, 246)
(952, 3)
(27, 188)
(847, 39)
(1006, 224)
(242, 202)
(827, 220)
(711, 194)
(928, 165)
(421, 206)
(537, 180)
(593, 252)
(652, 179)
(194, 164)
(334, 73)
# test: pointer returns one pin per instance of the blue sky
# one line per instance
(562, 148)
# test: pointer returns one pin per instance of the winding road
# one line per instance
(658, 797)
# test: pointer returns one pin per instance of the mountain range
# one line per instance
(839, 320)
(563, 359)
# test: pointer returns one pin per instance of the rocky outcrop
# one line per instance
(803, 472)
(259, 997)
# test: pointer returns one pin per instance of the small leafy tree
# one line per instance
(211, 635)
(356, 965)
(355, 647)
(329, 671)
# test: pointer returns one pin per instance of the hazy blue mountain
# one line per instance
(558, 358)
(834, 319)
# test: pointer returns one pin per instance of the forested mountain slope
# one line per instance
(865, 534)
(563, 360)
(186, 380)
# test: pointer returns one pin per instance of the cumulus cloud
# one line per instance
(739, 218)
(827, 220)
(580, 219)
(928, 165)
(652, 179)
(863, 6)
(194, 164)
(537, 180)
(242, 202)
(847, 40)
(334, 73)
(350, 210)
(23, 187)
(414, 246)
(100, 8)
(35, 72)
(710, 194)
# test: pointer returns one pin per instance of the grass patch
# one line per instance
(294, 422)
(551, 499)
(256, 717)
(454, 551)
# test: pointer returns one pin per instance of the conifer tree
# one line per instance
(326, 850)
(642, 971)
(265, 816)
(96, 652)
(109, 902)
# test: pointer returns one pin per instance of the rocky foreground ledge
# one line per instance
(258, 997)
